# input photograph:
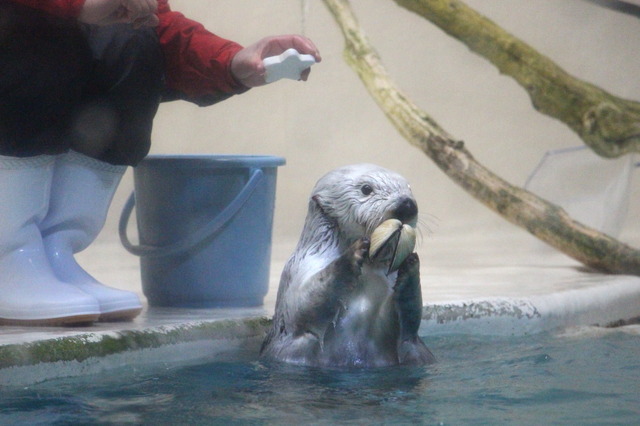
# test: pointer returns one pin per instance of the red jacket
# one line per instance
(197, 62)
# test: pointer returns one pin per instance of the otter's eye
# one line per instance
(366, 189)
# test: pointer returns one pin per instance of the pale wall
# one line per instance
(331, 120)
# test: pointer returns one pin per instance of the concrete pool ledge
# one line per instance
(92, 352)
(214, 335)
(616, 301)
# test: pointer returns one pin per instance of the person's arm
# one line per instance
(199, 65)
(204, 68)
(197, 62)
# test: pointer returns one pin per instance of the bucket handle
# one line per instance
(194, 238)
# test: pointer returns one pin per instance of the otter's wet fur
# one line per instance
(336, 306)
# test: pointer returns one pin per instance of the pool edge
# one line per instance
(91, 352)
(209, 340)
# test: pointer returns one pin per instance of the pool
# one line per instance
(586, 375)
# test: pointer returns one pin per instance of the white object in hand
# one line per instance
(289, 64)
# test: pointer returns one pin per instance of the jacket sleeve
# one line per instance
(61, 8)
(197, 62)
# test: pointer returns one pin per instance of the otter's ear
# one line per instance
(317, 202)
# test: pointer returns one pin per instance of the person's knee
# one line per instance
(123, 97)
(144, 62)
(127, 59)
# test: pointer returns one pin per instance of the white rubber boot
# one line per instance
(30, 293)
(81, 193)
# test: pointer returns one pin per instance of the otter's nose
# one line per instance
(406, 210)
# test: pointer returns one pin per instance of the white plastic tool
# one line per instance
(289, 64)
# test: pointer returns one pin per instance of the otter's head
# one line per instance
(360, 197)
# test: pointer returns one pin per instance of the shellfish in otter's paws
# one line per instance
(392, 241)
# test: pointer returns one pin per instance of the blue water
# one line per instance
(542, 379)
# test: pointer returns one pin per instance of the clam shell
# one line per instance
(386, 231)
(404, 248)
(392, 241)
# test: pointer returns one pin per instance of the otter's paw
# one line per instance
(348, 267)
(356, 255)
(408, 298)
(409, 269)
(359, 252)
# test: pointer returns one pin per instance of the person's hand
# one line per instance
(104, 12)
(247, 67)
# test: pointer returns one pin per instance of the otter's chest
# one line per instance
(374, 283)
(366, 302)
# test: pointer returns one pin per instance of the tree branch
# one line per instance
(608, 124)
(541, 218)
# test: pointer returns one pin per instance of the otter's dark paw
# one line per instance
(408, 297)
(360, 253)
(357, 254)
(409, 269)
(410, 265)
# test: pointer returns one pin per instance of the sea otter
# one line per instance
(337, 304)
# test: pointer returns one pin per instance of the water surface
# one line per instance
(583, 378)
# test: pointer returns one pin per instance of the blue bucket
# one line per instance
(204, 228)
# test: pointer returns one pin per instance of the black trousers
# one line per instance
(67, 86)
